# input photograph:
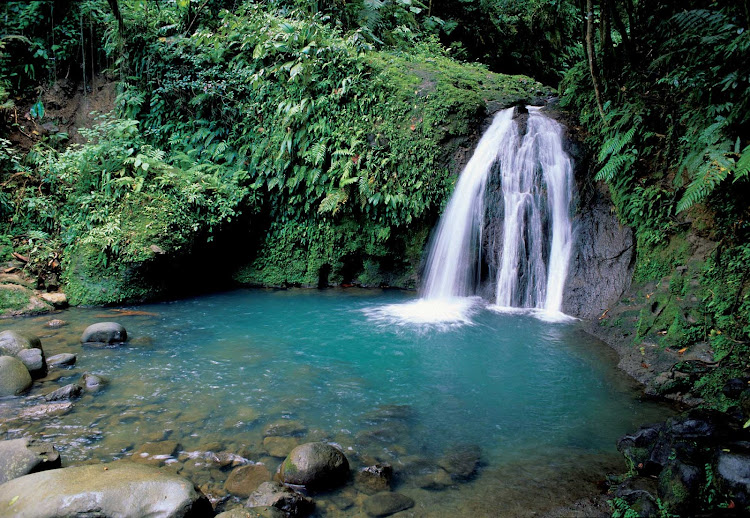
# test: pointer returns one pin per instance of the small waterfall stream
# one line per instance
(534, 242)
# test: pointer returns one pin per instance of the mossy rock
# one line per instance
(315, 465)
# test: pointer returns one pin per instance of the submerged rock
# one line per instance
(19, 457)
(115, 489)
(375, 478)
(386, 504)
(92, 382)
(273, 494)
(284, 428)
(14, 376)
(46, 410)
(62, 360)
(243, 480)
(280, 446)
(315, 465)
(461, 462)
(104, 333)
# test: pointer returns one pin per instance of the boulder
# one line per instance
(104, 333)
(62, 360)
(14, 376)
(55, 299)
(280, 446)
(679, 486)
(116, 489)
(56, 323)
(45, 410)
(386, 504)
(34, 361)
(19, 457)
(315, 465)
(273, 494)
(71, 391)
(243, 480)
(11, 343)
(733, 475)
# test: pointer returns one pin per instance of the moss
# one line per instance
(13, 299)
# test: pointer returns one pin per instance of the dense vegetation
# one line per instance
(314, 142)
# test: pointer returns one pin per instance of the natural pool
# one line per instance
(541, 402)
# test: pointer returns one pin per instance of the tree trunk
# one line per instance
(591, 55)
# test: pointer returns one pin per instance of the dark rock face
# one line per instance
(273, 494)
(315, 465)
(19, 457)
(116, 489)
(104, 333)
(386, 504)
(601, 265)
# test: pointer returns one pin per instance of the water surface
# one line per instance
(542, 401)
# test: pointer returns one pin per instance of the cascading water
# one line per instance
(455, 254)
(537, 232)
(533, 242)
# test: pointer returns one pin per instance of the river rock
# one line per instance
(461, 462)
(284, 428)
(255, 512)
(62, 360)
(11, 343)
(34, 361)
(14, 376)
(375, 478)
(315, 465)
(92, 382)
(56, 323)
(386, 504)
(104, 333)
(155, 453)
(46, 410)
(115, 489)
(19, 457)
(733, 475)
(434, 481)
(71, 391)
(280, 446)
(242, 481)
(679, 486)
(273, 494)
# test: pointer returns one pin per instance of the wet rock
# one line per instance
(386, 504)
(56, 323)
(11, 343)
(315, 465)
(386, 413)
(734, 387)
(62, 360)
(242, 481)
(14, 376)
(34, 361)
(115, 489)
(375, 478)
(637, 448)
(46, 410)
(19, 457)
(71, 391)
(273, 494)
(280, 446)
(284, 428)
(155, 453)
(733, 475)
(639, 495)
(92, 382)
(104, 333)
(461, 462)
(679, 486)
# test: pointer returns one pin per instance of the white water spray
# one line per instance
(455, 255)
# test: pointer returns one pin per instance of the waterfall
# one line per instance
(534, 243)
(455, 253)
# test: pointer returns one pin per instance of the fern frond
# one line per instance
(614, 144)
(613, 167)
(333, 201)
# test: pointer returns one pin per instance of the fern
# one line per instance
(616, 143)
(614, 166)
(709, 175)
(333, 201)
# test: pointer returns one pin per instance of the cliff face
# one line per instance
(603, 258)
